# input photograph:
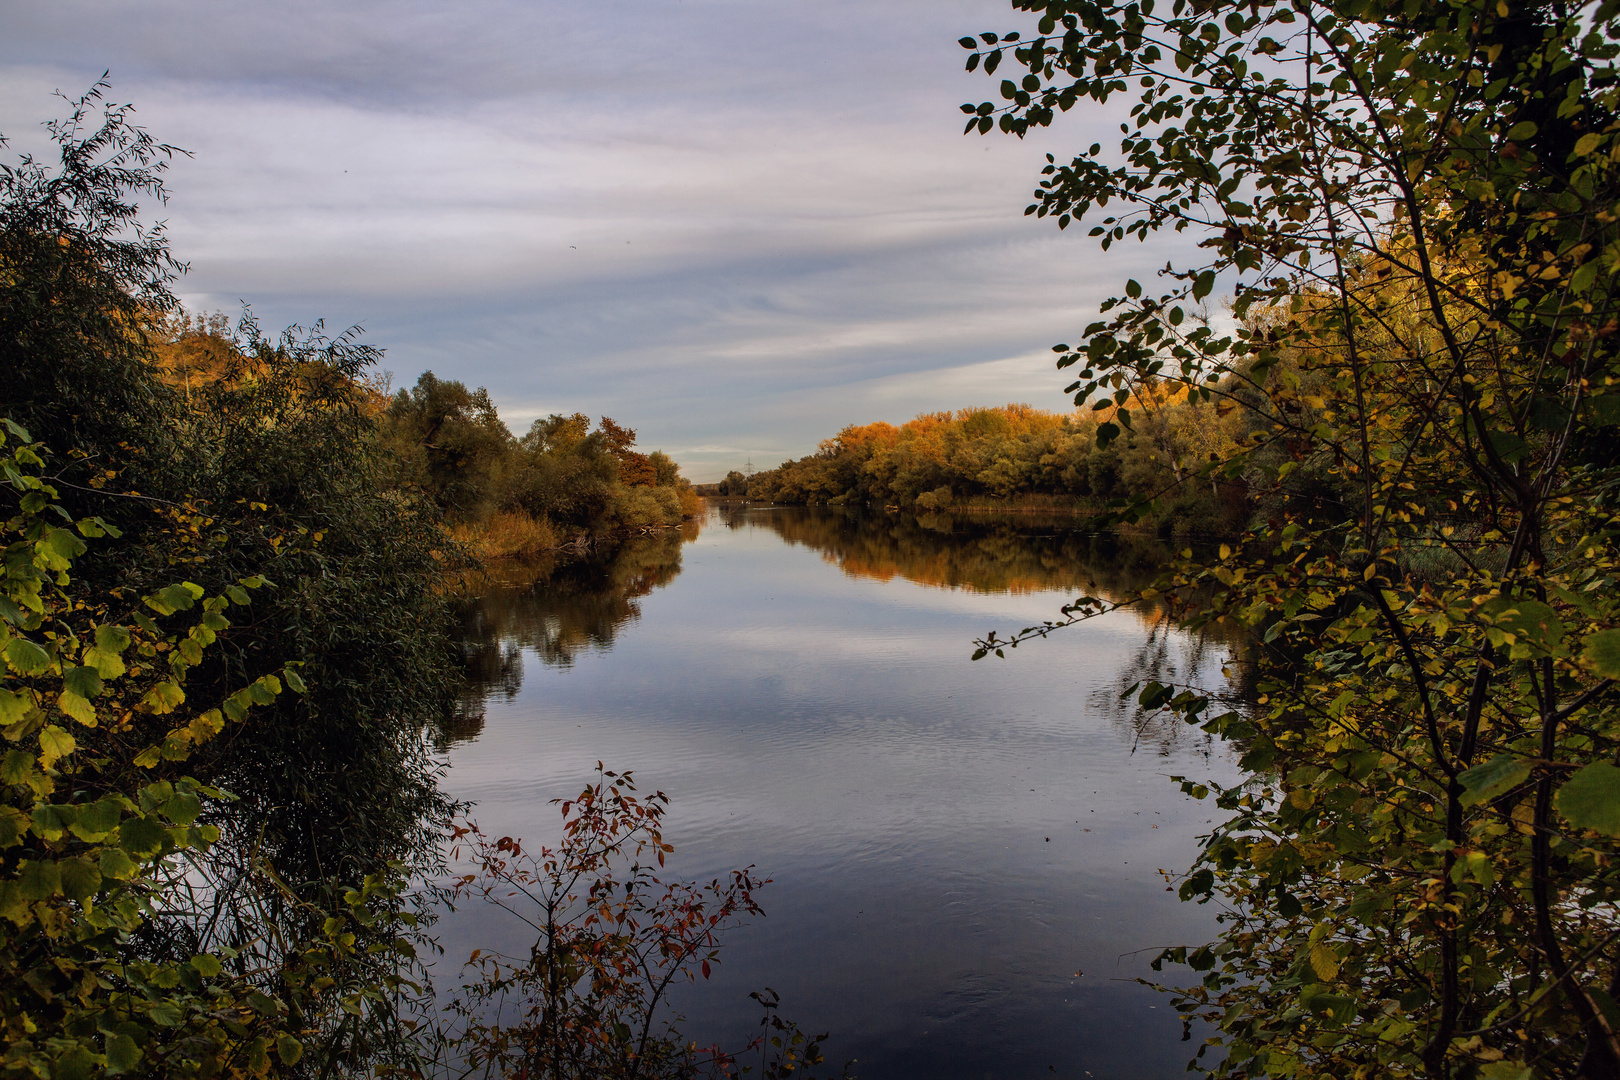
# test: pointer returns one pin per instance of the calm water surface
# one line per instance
(965, 856)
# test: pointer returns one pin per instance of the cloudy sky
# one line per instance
(734, 225)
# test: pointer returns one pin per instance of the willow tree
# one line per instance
(1414, 207)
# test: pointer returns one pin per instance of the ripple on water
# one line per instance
(950, 842)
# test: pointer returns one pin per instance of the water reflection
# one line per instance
(965, 854)
(981, 553)
(555, 608)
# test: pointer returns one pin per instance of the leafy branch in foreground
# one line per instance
(1416, 208)
(100, 838)
(612, 938)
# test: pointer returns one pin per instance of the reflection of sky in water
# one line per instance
(950, 842)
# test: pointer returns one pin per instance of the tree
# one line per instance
(450, 443)
(265, 472)
(1416, 208)
(82, 274)
(635, 470)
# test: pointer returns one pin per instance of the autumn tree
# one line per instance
(1414, 206)
(635, 470)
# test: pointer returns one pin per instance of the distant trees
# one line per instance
(450, 443)
(940, 459)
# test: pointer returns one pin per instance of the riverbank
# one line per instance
(514, 535)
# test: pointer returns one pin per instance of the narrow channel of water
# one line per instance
(965, 857)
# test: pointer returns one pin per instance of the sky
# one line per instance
(734, 225)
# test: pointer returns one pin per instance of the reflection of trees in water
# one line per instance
(1026, 554)
(557, 609)
(1021, 554)
(1172, 658)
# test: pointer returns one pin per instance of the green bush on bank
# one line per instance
(449, 444)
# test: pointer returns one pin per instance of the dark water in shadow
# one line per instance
(965, 856)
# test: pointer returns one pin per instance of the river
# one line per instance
(965, 856)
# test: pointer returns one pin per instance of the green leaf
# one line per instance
(182, 808)
(1600, 653)
(51, 821)
(1495, 777)
(1324, 961)
(1606, 1005)
(165, 1014)
(38, 880)
(116, 864)
(17, 767)
(174, 598)
(58, 548)
(1585, 276)
(81, 880)
(13, 826)
(1336, 1008)
(1588, 143)
(1508, 446)
(1527, 620)
(96, 820)
(1591, 799)
(83, 680)
(262, 1003)
(107, 662)
(1604, 409)
(206, 964)
(122, 1054)
(113, 639)
(74, 1063)
(13, 905)
(165, 697)
(1204, 285)
(25, 657)
(289, 1049)
(142, 837)
(1522, 131)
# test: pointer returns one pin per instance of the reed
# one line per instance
(508, 535)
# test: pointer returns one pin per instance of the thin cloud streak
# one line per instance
(726, 224)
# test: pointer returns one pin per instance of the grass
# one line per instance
(509, 535)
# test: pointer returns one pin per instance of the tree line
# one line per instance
(229, 645)
(1019, 457)
(447, 444)
(560, 480)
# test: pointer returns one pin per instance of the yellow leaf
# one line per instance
(77, 707)
(54, 744)
(108, 664)
(1325, 962)
(165, 697)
